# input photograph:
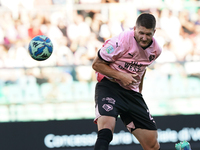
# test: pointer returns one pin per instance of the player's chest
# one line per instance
(139, 56)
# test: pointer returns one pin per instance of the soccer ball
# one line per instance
(40, 48)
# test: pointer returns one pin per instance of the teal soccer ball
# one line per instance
(40, 48)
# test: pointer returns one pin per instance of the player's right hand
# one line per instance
(128, 79)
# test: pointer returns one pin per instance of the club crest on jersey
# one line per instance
(151, 57)
(110, 49)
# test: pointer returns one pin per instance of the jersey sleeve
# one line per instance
(113, 48)
(159, 50)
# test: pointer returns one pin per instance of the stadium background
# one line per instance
(57, 96)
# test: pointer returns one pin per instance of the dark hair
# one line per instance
(146, 20)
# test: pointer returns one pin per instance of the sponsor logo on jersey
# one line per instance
(130, 54)
(132, 66)
(117, 45)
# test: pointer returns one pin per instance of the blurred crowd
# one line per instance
(77, 41)
(78, 36)
(179, 33)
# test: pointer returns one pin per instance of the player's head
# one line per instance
(144, 29)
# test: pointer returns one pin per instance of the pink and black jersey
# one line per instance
(125, 55)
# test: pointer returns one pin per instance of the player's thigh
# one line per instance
(106, 122)
(147, 138)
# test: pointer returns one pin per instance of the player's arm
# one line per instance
(141, 83)
(103, 67)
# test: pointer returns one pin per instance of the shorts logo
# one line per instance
(107, 107)
(110, 49)
(109, 99)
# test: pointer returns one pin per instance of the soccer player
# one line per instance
(120, 67)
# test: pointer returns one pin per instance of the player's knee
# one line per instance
(155, 146)
(105, 134)
(152, 146)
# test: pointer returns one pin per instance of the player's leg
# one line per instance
(107, 122)
(139, 121)
(106, 125)
(106, 113)
(147, 138)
